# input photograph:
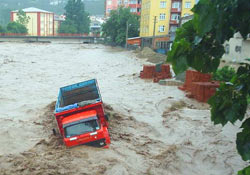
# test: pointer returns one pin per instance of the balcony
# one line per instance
(175, 10)
(174, 22)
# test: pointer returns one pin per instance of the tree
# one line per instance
(115, 26)
(2, 29)
(15, 27)
(67, 27)
(22, 18)
(199, 44)
(76, 17)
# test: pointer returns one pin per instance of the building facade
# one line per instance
(134, 5)
(41, 22)
(237, 49)
(161, 18)
(175, 15)
(57, 23)
(155, 17)
(187, 5)
(110, 5)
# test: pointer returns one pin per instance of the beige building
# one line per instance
(41, 22)
(237, 49)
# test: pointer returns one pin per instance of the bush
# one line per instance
(14, 27)
(224, 74)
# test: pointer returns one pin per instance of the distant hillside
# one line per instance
(94, 7)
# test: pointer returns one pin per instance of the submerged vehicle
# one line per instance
(80, 115)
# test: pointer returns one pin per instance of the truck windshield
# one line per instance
(81, 128)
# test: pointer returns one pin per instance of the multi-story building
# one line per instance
(161, 18)
(110, 5)
(155, 18)
(41, 22)
(187, 5)
(134, 5)
(175, 15)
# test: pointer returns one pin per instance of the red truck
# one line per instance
(80, 115)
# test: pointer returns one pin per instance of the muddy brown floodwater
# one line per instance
(154, 129)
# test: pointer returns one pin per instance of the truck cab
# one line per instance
(80, 115)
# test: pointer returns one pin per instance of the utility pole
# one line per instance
(153, 40)
(127, 35)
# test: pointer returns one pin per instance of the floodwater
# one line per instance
(147, 137)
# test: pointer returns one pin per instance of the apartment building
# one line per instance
(155, 19)
(175, 15)
(134, 5)
(187, 5)
(41, 22)
(110, 5)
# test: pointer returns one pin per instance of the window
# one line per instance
(186, 14)
(133, 2)
(188, 5)
(163, 4)
(162, 28)
(173, 28)
(81, 128)
(162, 16)
(161, 45)
(176, 5)
(175, 17)
(196, 1)
(238, 49)
(133, 10)
(109, 2)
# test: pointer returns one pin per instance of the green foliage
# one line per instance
(15, 27)
(245, 171)
(224, 74)
(199, 44)
(116, 25)
(77, 17)
(67, 27)
(2, 29)
(243, 140)
(22, 18)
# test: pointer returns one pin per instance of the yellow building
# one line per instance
(155, 14)
(187, 5)
(41, 22)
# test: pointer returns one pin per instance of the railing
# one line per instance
(59, 34)
(71, 34)
(175, 10)
(13, 34)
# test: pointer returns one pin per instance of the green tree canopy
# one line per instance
(67, 27)
(15, 27)
(77, 20)
(22, 18)
(2, 29)
(199, 44)
(115, 26)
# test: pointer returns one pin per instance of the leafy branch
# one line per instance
(199, 44)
